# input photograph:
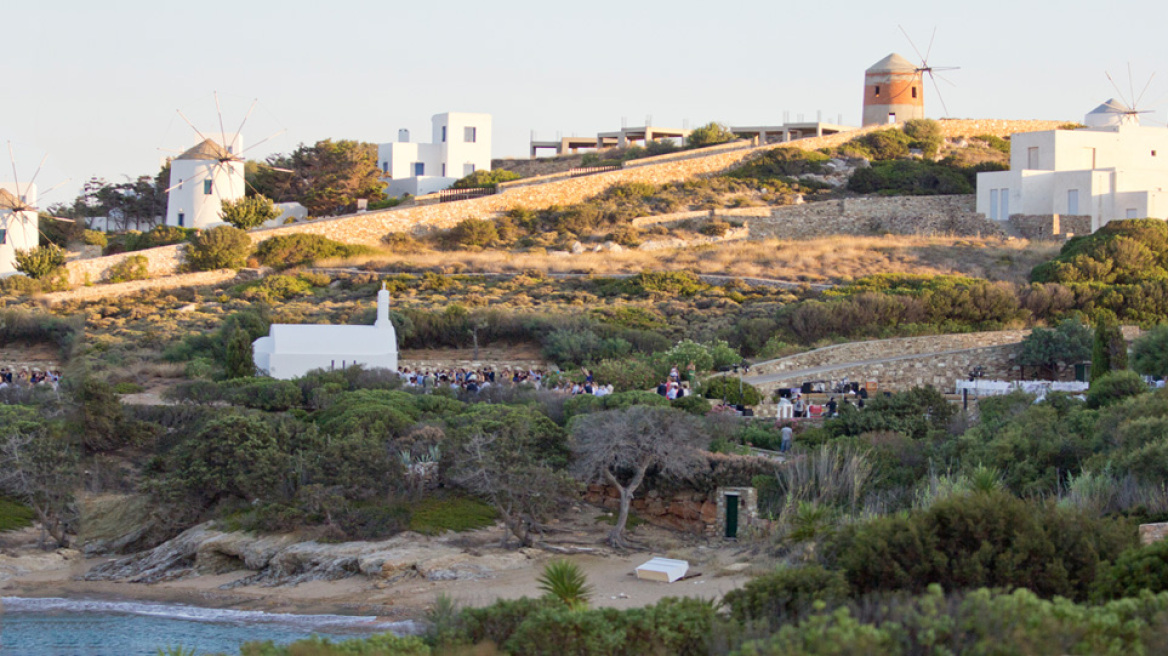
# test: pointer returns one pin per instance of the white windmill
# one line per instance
(1122, 112)
(19, 215)
(207, 174)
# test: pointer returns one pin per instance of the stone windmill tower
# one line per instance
(893, 91)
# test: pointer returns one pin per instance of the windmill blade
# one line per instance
(910, 42)
(1132, 86)
(15, 177)
(276, 168)
(50, 189)
(1116, 87)
(944, 68)
(37, 172)
(944, 79)
(201, 135)
(245, 117)
(59, 218)
(222, 131)
(1143, 91)
(929, 50)
(940, 98)
(268, 138)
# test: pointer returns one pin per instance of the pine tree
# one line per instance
(240, 362)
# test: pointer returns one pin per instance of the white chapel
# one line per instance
(292, 350)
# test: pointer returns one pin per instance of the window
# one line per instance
(385, 167)
(419, 169)
(1131, 213)
(1032, 158)
(470, 135)
(891, 117)
(994, 204)
(181, 219)
(467, 169)
(207, 187)
(444, 169)
(443, 134)
(3, 236)
(877, 90)
(914, 89)
(1072, 201)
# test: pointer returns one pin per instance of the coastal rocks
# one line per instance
(282, 560)
(11, 566)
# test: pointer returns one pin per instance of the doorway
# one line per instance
(732, 516)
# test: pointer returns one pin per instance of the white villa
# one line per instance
(19, 227)
(1112, 169)
(461, 145)
(292, 350)
(200, 180)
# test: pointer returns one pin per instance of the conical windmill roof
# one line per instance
(893, 63)
(206, 151)
(1112, 106)
(8, 201)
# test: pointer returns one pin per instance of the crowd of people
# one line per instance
(28, 378)
(474, 380)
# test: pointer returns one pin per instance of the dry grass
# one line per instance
(828, 259)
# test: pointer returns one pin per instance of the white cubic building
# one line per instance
(1112, 169)
(461, 145)
(19, 228)
(200, 180)
(292, 350)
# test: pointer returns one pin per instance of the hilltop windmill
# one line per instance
(894, 86)
(926, 68)
(211, 172)
(20, 215)
(1122, 112)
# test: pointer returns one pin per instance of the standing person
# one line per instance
(831, 407)
(788, 437)
(800, 407)
(674, 375)
(691, 373)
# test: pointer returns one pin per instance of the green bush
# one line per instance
(94, 238)
(485, 178)
(734, 391)
(626, 374)
(693, 404)
(1114, 387)
(263, 393)
(249, 212)
(300, 249)
(222, 247)
(133, 267)
(881, 145)
(381, 644)
(474, 233)
(786, 594)
(1149, 353)
(710, 134)
(1121, 252)
(909, 177)
(14, 515)
(926, 135)
(1139, 569)
(981, 539)
(40, 262)
(781, 163)
(274, 288)
(128, 388)
(434, 515)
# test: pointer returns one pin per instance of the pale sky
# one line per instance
(96, 85)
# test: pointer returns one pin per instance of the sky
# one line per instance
(96, 86)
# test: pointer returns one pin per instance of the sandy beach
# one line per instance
(28, 572)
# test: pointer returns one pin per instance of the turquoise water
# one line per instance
(69, 627)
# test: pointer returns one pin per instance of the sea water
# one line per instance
(71, 627)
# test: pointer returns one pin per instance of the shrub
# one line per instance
(94, 238)
(133, 267)
(274, 288)
(14, 515)
(626, 374)
(382, 643)
(477, 233)
(1139, 569)
(786, 595)
(249, 212)
(485, 178)
(263, 393)
(222, 247)
(38, 263)
(1149, 354)
(734, 391)
(1114, 387)
(565, 581)
(979, 540)
(498, 622)
(433, 515)
(128, 388)
(299, 249)
(710, 134)
(880, 145)
(926, 135)
(909, 177)
(693, 404)
(1123, 252)
(780, 163)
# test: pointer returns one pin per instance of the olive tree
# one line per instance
(619, 447)
(40, 469)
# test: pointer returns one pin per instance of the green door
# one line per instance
(732, 515)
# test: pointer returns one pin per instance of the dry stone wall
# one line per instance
(888, 348)
(1050, 226)
(938, 370)
(901, 215)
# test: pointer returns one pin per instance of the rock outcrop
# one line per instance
(283, 560)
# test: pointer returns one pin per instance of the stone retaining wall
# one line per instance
(1050, 226)
(938, 370)
(901, 215)
(887, 348)
(200, 279)
(729, 214)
